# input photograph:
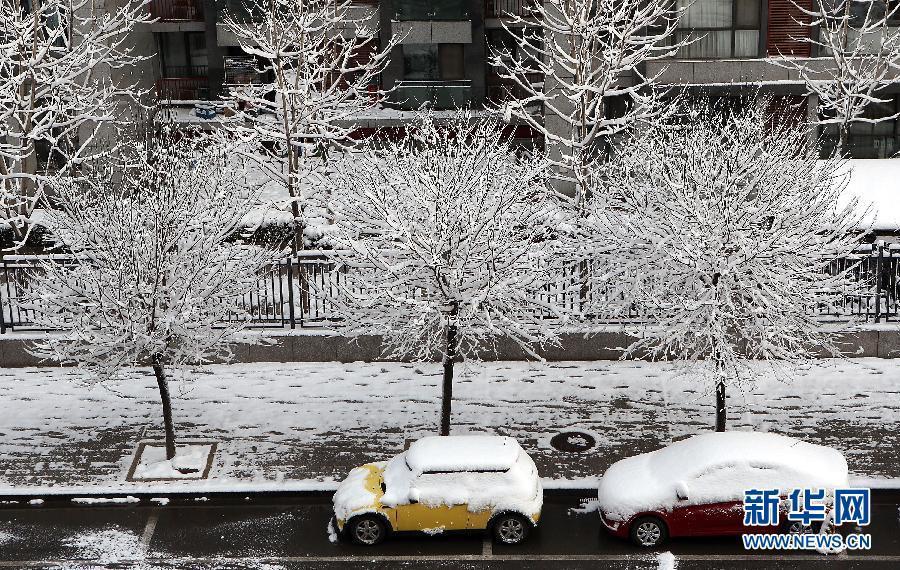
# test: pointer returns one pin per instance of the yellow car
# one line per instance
(451, 483)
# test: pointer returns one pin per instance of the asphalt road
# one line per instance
(289, 532)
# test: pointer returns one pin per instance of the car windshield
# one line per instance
(396, 479)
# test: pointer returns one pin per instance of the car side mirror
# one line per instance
(681, 491)
(414, 496)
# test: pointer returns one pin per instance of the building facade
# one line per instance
(443, 56)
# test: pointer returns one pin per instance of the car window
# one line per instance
(729, 482)
(434, 489)
(716, 483)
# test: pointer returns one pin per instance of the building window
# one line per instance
(507, 43)
(719, 29)
(874, 11)
(184, 55)
(427, 62)
(451, 61)
(868, 140)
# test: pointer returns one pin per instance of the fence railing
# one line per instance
(298, 291)
(442, 95)
(182, 89)
(177, 10)
(506, 8)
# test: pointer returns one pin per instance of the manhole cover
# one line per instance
(573, 441)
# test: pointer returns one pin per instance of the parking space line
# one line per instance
(487, 546)
(149, 529)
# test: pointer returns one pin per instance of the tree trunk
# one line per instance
(160, 373)
(298, 229)
(449, 357)
(720, 406)
(843, 139)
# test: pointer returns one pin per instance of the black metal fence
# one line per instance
(296, 292)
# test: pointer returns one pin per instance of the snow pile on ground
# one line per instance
(105, 500)
(354, 494)
(587, 506)
(5, 537)
(666, 561)
(189, 462)
(717, 467)
(107, 546)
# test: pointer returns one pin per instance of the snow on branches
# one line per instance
(446, 226)
(858, 49)
(732, 228)
(584, 54)
(154, 275)
(324, 62)
(56, 60)
(448, 235)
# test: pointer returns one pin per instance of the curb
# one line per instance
(24, 499)
(160, 499)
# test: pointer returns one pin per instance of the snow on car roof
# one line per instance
(463, 453)
(717, 467)
(694, 455)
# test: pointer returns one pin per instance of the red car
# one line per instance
(695, 487)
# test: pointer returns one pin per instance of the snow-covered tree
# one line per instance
(447, 236)
(858, 56)
(727, 229)
(153, 276)
(318, 63)
(57, 61)
(583, 56)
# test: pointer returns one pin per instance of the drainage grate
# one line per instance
(573, 441)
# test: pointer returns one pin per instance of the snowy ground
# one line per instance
(293, 423)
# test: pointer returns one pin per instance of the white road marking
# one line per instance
(487, 546)
(149, 529)
(476, 557)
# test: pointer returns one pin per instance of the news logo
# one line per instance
(852, 506)
(807, 506)
(763, 508)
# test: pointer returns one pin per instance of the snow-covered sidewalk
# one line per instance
(302, 426)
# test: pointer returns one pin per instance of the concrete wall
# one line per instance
(325, 348)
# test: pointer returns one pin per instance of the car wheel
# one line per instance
(648, 532)
(367, 530)
(510, 528)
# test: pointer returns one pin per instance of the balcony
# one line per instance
(416, 10)
(441, 95)
(177, 10)
(500, 90)
(183, 85)
(255, 10)
(507, 8)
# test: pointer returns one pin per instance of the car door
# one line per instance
(482, 481)
(429, 508)
(710, 509)
(708, 519)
